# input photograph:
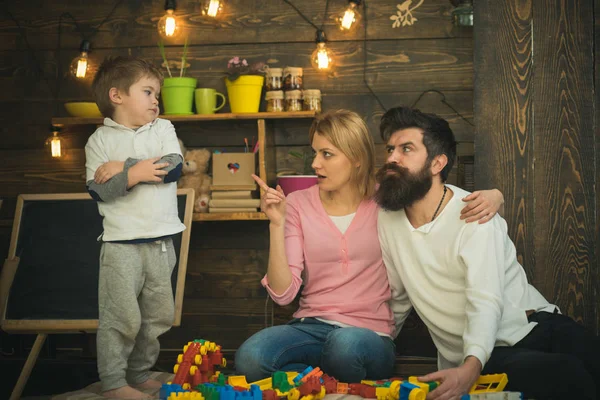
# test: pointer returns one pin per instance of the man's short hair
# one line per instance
(437, 135)
(120, 72)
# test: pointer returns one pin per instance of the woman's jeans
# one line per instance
(348, 354)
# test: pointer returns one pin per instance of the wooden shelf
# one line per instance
(266, 149)
(61, 121)
(238, 216)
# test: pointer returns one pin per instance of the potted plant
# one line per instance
(292, 180)
(177, 91)
(244, 83)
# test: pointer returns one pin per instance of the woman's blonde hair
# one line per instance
(347, 131)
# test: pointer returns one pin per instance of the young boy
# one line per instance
(132, 164)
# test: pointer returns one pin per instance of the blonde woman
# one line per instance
(325, 238)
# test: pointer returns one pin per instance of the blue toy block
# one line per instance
(255, 392)
(405, 390)
(301, 375)
(167, 389)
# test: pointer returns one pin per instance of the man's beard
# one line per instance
(401, 188)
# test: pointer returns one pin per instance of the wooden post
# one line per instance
(535, 141)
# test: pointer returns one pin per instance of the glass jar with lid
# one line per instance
(292, 78)
(312, 100)
(274, 100)
(293, 100)
(274, 79)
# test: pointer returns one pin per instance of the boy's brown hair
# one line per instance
(120, 72)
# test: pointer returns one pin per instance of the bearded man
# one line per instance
(464, 280)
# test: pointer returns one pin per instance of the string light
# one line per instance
(168, 26)
(212, 8)
(462, 15)
(54, 142)
(80, 64)
(322, 57)
(350, 16)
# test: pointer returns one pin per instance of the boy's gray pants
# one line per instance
(135, 307)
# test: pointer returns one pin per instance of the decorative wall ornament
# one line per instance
(404, 15)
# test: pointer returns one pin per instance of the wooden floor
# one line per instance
(59, 376)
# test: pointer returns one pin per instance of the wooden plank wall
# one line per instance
(537, 140)
(224, 300)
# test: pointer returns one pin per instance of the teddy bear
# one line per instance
(194, 175)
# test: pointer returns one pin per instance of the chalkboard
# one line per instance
(50, 279)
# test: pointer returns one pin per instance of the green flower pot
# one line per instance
(178, 95)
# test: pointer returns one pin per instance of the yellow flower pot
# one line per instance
(244, 93)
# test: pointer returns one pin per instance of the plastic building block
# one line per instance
(269, 394)
(280, 381)
(314, 372)
(342, 388)
(238, 380)
(426, 386)
(489, 383)
(256, 392)
(409, 391)
(167, 389)
(330, 384)
(494, 396)
(185, 362)
(301, 375)
(197, 364)
(312, 385)
(185, 396)
(264, 384)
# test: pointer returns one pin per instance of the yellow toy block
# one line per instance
(291, 375)
(238, 380)
(186, 396)
(382, 393)
(424, 386)
(263, 384)
(317, 396)
(489, 383)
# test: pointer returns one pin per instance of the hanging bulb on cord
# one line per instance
(169, 26)
(462, 15)
(322, 57)
(212, 8)
(349, 18)
(80, 64)
(53, 142)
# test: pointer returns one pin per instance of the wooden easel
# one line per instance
(44, 327)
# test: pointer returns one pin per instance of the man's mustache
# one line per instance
(390, 167)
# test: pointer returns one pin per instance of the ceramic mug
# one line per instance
(206, 101)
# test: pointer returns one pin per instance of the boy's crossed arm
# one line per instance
(113, 178)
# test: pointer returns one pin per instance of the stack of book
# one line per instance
(233, 198)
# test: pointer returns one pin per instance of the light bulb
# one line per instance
(169, 26)
(80, 64)
(350, 16)
(212, 8)
(463, 13)
(322, 58)
(54, 143)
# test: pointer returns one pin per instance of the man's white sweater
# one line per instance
(463, 280)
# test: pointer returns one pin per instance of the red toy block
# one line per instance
(315, 372)
(362, 390)
(311, 386)
(269, 394)
(330, 384)
(184, 365)
(342, 388)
